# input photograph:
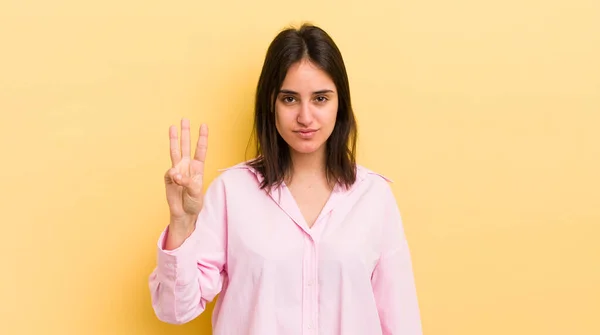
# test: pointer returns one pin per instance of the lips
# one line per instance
(306, 133)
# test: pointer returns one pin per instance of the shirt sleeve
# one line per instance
(393, 281)
(186, 279)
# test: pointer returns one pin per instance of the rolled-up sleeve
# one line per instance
(393, 280)
(187, 278)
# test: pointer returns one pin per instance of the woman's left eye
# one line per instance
(321, 99)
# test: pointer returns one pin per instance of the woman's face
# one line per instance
(306, 108)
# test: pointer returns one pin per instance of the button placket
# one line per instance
(314, 287)
(307, 303)
(310, 297)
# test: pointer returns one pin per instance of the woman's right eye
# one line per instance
(289, 99)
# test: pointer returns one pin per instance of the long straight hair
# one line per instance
(273, 158)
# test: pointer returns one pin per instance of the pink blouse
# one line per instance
(350, 273)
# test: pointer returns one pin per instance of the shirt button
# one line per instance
(310, 283)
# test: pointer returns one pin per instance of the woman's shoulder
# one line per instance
(243, 166)
(375, 184)
(243, 172)
(364, 173)
(238, 172)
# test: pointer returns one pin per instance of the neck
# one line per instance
(308, 166)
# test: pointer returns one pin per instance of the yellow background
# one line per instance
(486, 114)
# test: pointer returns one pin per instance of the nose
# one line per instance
(305, 117)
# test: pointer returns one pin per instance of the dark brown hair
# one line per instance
(273, 159)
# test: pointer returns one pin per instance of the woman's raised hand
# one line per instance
(184, 180)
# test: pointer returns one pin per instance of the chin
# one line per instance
(306, 148)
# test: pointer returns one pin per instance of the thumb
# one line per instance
(182, 180)
(173, 176)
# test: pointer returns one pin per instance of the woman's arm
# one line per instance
(393, 281)
(188, 277)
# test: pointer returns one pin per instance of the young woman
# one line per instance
(299, 240)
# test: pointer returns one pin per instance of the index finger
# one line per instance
(202, 145)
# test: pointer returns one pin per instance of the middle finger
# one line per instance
(185, 138)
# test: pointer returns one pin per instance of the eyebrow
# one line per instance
(296, 93)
